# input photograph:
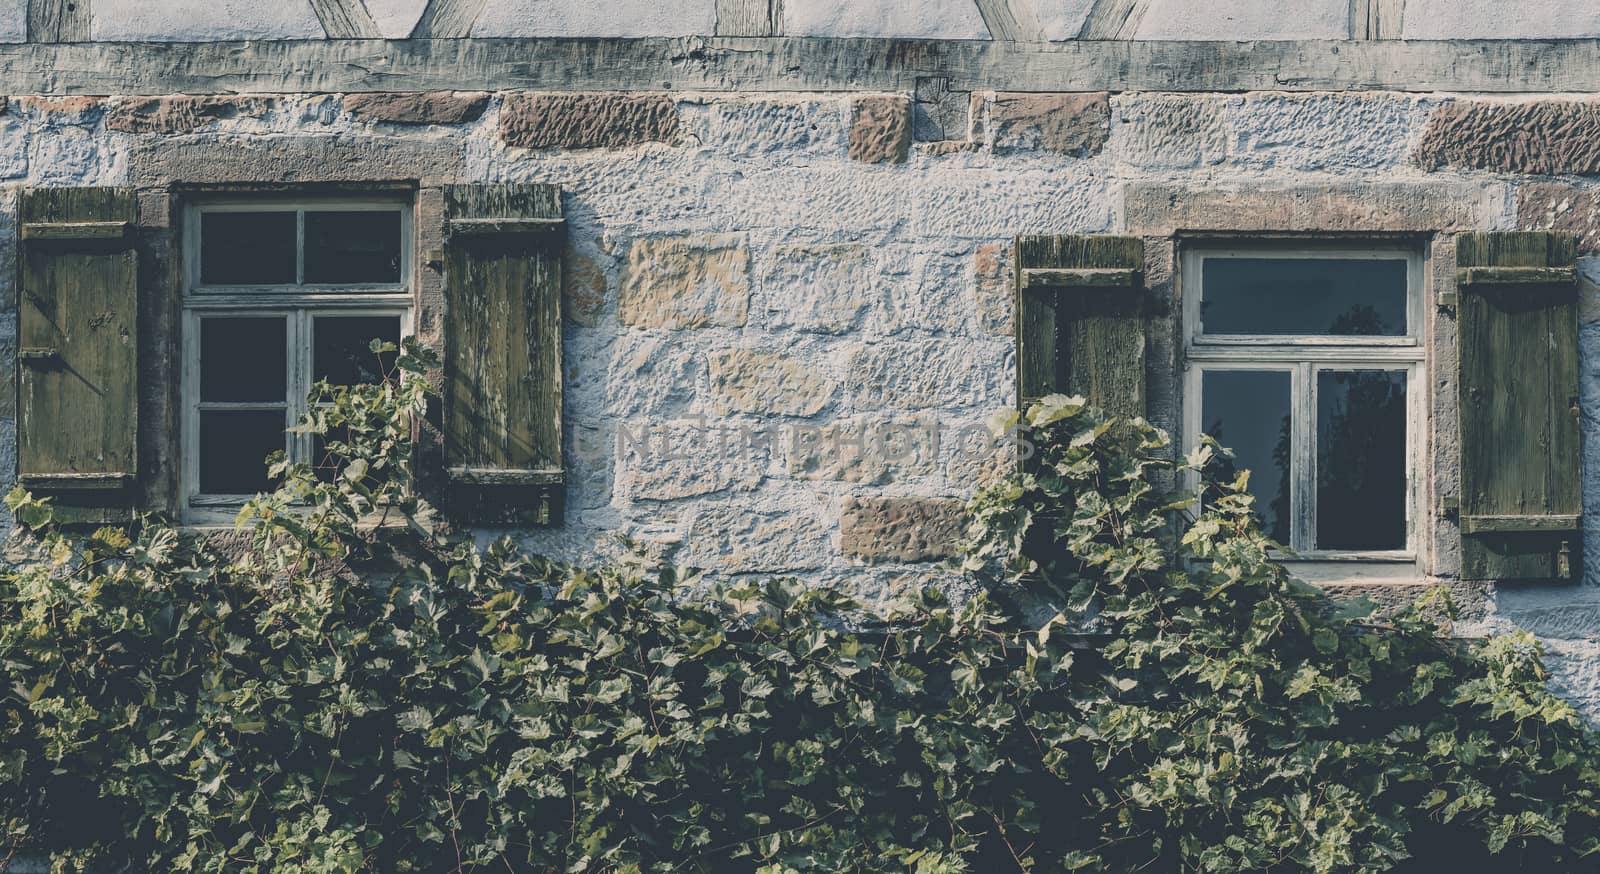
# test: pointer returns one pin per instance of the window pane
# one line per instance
(344, 348)
(247, 248)
(1298, 296)
(234, 445)
(1249, 412)
(352, 247)
(1361, 459)
(243, 359)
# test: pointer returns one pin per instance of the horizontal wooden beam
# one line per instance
(496, 476)
(1079, 277)
(1520, 524)
(1516, 275)
(488, 226)
(795, 64)
(75, 230)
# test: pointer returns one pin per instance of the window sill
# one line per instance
(1360, 568)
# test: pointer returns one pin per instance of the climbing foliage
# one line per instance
(1139, 686)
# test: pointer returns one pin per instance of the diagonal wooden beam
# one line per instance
(58, 21)
(1114, 19)
(448, 19)
(1013, 20)
(749, 17)
(1377, 19)
(346, 19)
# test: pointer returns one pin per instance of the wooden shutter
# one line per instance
(1080, 320)
(502, 380)
(1521, 471)
(77, 353)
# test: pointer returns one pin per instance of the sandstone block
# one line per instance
(1157, 208)
(736, 538)
(583, 288)
(775, 383)
(863, 450)
(292, 159)
(991, 265)
(427, 107)
(901, 529)
(182, 114)
(1546, 206)
(687, 281)
(1547, 137)
(822, 289)
(1076, 124)
(1162, 132)
(587, 121)
(880, 129)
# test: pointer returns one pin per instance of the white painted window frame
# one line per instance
(1303, 357)
(298, 304)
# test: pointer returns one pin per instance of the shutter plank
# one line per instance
(1080, 320)
(503, 352)
(78, 344)
(1520, 449)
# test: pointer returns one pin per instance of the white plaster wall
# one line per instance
(13, 20)
(938, 19)
(596, 18)
(203, 20)
(1501, 19)
(395, 18)
(1246, 19)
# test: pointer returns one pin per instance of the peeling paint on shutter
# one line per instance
(1521, 470)
(502, 380)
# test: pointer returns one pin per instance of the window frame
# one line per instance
(1303, 357)
(299, 305)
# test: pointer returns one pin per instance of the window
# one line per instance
(1308, 363)
(277, 296)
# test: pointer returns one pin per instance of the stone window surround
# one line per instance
(168, 174)
(1425, 214)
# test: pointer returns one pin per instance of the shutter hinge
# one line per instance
(1446, 300)
(39, 356)
(1564, 560)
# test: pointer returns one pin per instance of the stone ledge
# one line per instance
(1158, 209)
(1471, 598)
(292, 159)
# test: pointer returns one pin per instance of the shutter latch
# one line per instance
(39, 356)
(1564, 560)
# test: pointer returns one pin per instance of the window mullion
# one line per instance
(1303, 458)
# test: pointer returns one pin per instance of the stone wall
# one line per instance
(789, 316)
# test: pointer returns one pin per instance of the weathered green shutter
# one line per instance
(1080, 320)
(502, 381)
(77, 353)
(1521, 472)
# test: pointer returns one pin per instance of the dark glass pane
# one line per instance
(247, 248)
(352, 247)
(243, 359)
(234, 445)
(1249, 412)
(1361, 459)
(344, 348)
(1304, 296)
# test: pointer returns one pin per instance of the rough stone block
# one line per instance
(1333, 133)
(688, 281)
(583, 288)
(929, 374)
(1545, 137)
(13, 147)
(760, 539)
(773, 383)
(650, 375)
(1494, 19)
(1169, 132)
(899, 18)
(781, 127)
(868, 451)
(1235, 20)
(182, 114)
(596, 18)
(880, 129)
(901, 529)
(1548, 206)
(1075, 124)
(426, 107)
(823, 289)
(202, 20)
(587, 121)
(991, 266)
(1156, 209)
(1470, 598)
(293, 159)
(669, 460)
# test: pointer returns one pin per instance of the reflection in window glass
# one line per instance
(243, 359)
(1361, 459)
(234, 445)
(1249, 412)
(343, 353)
(345, 248)
(1304, 296)
(248, 248)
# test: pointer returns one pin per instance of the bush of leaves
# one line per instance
(1139, 688)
